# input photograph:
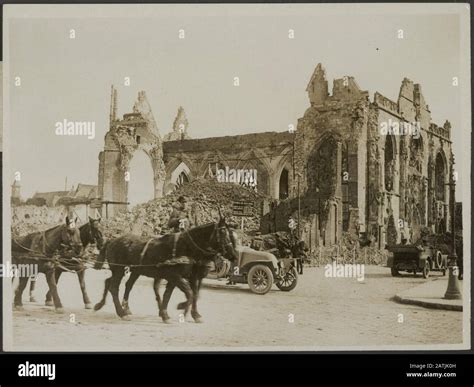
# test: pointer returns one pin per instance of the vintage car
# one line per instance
(416, 259)
(259, 269)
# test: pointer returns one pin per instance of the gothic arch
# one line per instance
(440, 176)
(175, 163)
(285, 163)
(263, 175)
(322, 165)
(212, 160)
(255, 153)
(284, 184)
(179, 175)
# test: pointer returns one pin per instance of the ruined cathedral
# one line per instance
(377, 169)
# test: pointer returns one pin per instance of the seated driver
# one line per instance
(179, 220)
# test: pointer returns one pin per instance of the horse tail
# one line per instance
(101, 258)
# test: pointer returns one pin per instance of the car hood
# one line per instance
(249, 254)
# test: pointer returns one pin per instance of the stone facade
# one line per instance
(376, 169)
(135, 131)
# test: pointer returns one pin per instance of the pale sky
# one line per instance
(65, 78)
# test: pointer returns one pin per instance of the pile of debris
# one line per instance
(203, 197)
(29, 218)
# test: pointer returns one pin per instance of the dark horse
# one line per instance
(90, 234)
(182, 259)
(40, 248)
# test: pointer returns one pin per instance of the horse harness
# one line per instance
(176, 237)
(44, 253)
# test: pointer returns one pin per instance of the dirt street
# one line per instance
(321, 313)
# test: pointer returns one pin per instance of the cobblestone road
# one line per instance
(328, 313)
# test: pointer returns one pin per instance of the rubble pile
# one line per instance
(203, 197)
(29, 218)
(349, 251)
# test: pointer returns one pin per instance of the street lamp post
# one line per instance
(452, 292)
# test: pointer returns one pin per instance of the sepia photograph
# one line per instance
(236, 177)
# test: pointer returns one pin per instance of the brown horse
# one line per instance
(182, 259)
(40, 248)
(90, 233)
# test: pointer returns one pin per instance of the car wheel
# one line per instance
(439, 260)
(395, 272)
(221, 269)
(260, 279)
(289, 281)
(426, 270)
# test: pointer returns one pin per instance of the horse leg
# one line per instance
(81, 274)
(51, 278)
(162, 311)
(32, 289)
(128, 287)
(18, 305)
(117, 276)
(195, 283)
(101, 303)
(156, 288)
(49, 298)
(185, 287)
(196, 286)
(166, 298)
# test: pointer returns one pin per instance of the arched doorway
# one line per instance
(140, 186)
(283, 185)
(179, 176)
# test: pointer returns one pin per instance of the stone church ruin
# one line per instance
(339, 171)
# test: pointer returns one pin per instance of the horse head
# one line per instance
(224, 239)
(70, 236)
(96, 232)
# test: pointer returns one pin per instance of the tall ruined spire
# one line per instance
(113, 104)
(318, 86)
(180, 127)
(181, 123)
(143, 107)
